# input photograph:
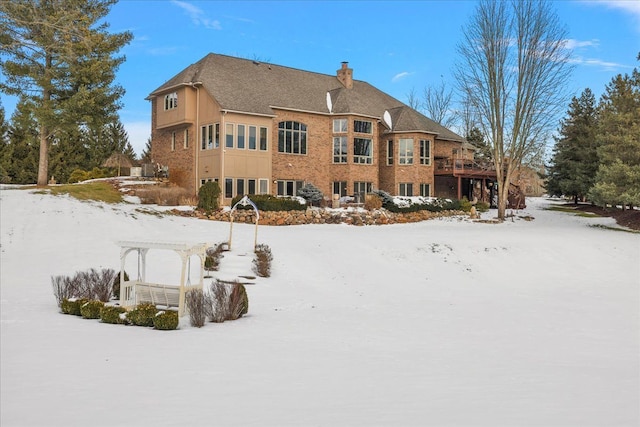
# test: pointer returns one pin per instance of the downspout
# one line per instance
(196, 143)
(223, 146)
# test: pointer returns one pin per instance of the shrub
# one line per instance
(72, 306)
(78, 175)
(100, 283)
(199, 306)
(115, 289)
(112, 314)
(372, 202)
(208, 196)
(262, 260)
(62, 288)
(213, 255)
(142, 315)
(387, 199)
(465, 204)
(162, 196)
(267, 202)
(91, 309)
(311, 194)
(238, 302)
(482, 206)
(218, 303)
(166, 320)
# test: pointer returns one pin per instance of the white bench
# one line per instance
(158, 295)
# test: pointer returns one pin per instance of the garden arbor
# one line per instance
(172, 296)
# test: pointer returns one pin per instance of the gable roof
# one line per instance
(244, 85)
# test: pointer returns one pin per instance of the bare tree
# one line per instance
(412, 99)
(437, 104)
(513, 68)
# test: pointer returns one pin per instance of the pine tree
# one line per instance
(618, 178)
(5, 159)
(60, 56)
(23, 146)
(145, 158)
(574, 162)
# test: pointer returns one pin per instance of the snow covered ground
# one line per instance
(440, 323)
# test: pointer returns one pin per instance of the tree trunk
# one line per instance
(43, 163)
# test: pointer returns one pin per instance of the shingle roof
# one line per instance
(257, 87)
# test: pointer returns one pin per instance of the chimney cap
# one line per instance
(345, 64)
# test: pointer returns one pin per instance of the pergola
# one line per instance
(172, 296)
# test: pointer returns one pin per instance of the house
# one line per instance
(260, 128)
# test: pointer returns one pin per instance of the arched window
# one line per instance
(292, 137)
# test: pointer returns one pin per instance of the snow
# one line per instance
(446, 322)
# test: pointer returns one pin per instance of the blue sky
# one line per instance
(396, 46)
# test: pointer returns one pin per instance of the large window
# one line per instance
(405, 151)
(289, 188)
(171, 101)
(425, 152)
(339, 125)
(406, 189)
(339, 149)
(228, 138)
(292, 137)
(240, 140)
(425, 190)
(240, 186)
(340, 187)
(228, 188)
(252, 139)
(362, 151)
(263, 140)
(362, 126)
(210, 136)
(361, 189)
(390, 152)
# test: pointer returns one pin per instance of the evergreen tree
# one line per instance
(61, 57)
(146, 153)
(618, 178)
(68, 153)
(574, 162)
(483, 150)
(23, 146)
(5, 158)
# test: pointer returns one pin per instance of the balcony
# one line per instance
(465, 168)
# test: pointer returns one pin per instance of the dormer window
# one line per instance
(171, 101)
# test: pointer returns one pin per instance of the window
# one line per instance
(173, 141)
(240, 186)
(264, 186)
(362, 151)
(171, 101)
(263, 140)
(229, 135)
(185, 138)
(361, 126)
(252, 139)
(339, 149)
(240, 140)
(425, 190)
(406, 189)
(251, 183)
(389, 152)
(210, 136)
(405, 151)
(340, 187)
(360, 190)
(425, 152)
(289, 188)
(339, 125)
(228, 188)
(292, 138)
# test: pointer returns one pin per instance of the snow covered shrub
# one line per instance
(311, 194)
(72, 306)
(142, 314)
(112, 314)
(262, 260)
(238, 302)
(91, 309)
(166, 320)
(199, 307)
(267, 202)
(372, 202)
(219, 295)
(115, 289)
(208, 196)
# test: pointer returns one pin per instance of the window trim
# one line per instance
(403, 187)
(360, 158)
(289, 135)
(424, 185)
(342, 156)
(425, 160)
(171, 101)
(342, 125)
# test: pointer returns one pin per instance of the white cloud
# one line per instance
(197, 15)
(574, 44)
(630, 7)
(400, 76)
(594, 62)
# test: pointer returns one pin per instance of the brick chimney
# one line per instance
(345, 75)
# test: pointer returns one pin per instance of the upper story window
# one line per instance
(210, 136)
(390, 152)
(405, 151)
(339, 125)
(339, 149)
(362, 126)
(263, 139)
(362, 151)
(425, 152)
(171, 101)
(292, 137)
